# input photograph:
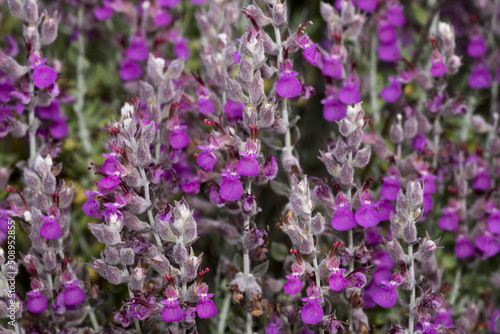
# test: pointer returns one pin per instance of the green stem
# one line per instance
(412, 293)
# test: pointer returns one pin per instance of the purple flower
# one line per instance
(332, 66)
(395, 15)
(337, 281)
(163, 18)
(367, 5)
(206, 307)
(388, 52)
(103, 13)
(130, 70)
(37, 302)
(392, 92)
(270, 167)
(169, 3)
(463, 247)
(384, 210)
(494, 222)
(50, 228)
(488, 243)
(73, 294)
(206, 159)
(312, 312)
(138, 50)
(419, 142)
(294, 284)
(178, 138)
(390, 188)
(482, 181)
(192, 186)
(171, 311)
(350, 92)
(477, 46)
(387, 34)
(343, 219)
(288, 85)
(231, 188)
(233, 110)
(274, 325)
(181, 49)
(480, 76)
(366, 215)
(43, 75)
(449, 219)
(248, 164)
(333, 110)
(386, 295)
(204, 104)
(438, 67)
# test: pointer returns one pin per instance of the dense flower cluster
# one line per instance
(159, 167)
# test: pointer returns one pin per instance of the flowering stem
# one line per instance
(373, 80)
(31, 119)
(425, 31)
(456, 285)
(150, 212)
(437, 132)
(81, 90)
(246, 263)
(412, 293)
(224, 312)
(92, 318)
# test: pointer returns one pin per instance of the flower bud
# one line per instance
(347, 175)
(16, 8)
(410, 233)
(49, 30)
(155, 69)
(180, 254)
(395, 251)
(49, 259)
(411, 127)
(279, 14)
(317, 224)
(127, 256)
(111, 255)
(355, 138)
(332, 167)
(427, 249)
(396, 133)
(30, 11)
(290, 162)
(362, 157)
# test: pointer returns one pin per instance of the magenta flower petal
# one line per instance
(311, 313)
(172, 313)
(179, 139)
(387, 34)
(230, 188)
(37, 302)
(248, 166)
(206, 160)
(448, 221)
(293, 286)
(233, 110)
(50, 230)
(334, 111)
(349, 94)
(385, 296)
(388, 52)
(288, 86)
(206, 308)
(343, 220)
(73, 295)
(438, 69)
(477, 47)
(110, 181)
(494, 223)
(44, 76)
(103, 13)
(367, 5)
(332, 67)
(205, 106)
(163, 19)
(482, 181)
(337, 282)
(367, 216)
(463, 247)
(391, 93)
(130, 70)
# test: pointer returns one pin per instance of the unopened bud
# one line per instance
(410, 233)
(362, 157)
(279, 14)
(16, 8)
(30, 11)
(347, 175)
(49, 30)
